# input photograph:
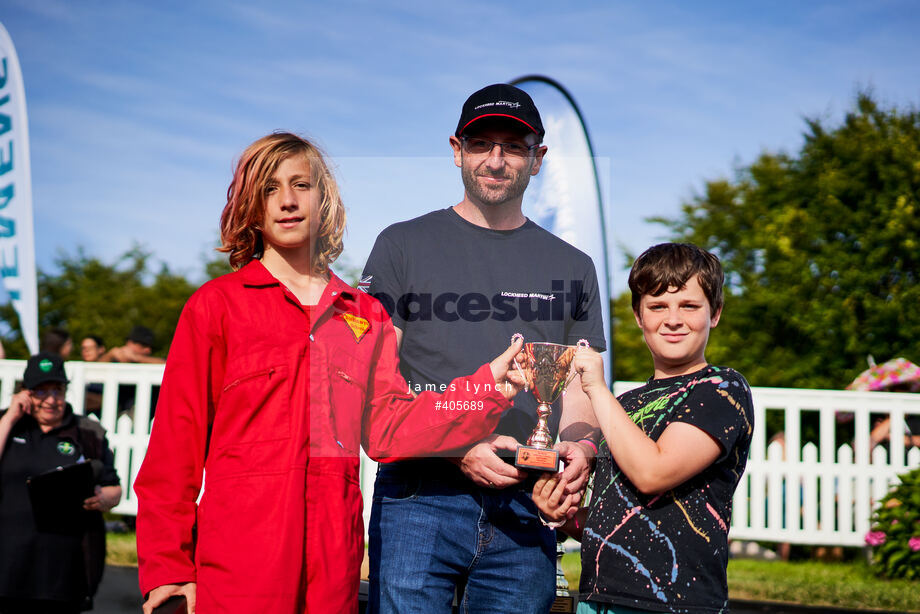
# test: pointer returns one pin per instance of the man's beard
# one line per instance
(500, 194)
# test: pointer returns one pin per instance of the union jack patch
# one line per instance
(365, 284)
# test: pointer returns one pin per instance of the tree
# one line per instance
(89, 297)
(821, 251)
(631, 360)
(218, 264)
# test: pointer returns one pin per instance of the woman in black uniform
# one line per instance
(44, 571)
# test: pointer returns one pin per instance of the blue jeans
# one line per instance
(430, 533)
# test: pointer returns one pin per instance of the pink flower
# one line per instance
(875, 538)
(914, 543)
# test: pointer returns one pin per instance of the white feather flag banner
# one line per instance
(17, 238)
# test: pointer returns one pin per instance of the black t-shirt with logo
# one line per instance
(36, 564)
(459, 292)
(669, 552)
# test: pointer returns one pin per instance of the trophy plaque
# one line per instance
(547, 370)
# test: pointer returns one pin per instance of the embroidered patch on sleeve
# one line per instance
(358, 325)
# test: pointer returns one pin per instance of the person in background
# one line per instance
(278, 374)
(881, 430)
(92, 348)
(42, 571)
(138, 348)
(57, 341)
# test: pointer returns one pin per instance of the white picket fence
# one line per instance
(818, 493)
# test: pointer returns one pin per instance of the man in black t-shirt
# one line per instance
(458, 283)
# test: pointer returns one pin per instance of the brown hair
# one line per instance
(669, 265)
(241, 220)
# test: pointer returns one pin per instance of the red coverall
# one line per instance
(274, 410)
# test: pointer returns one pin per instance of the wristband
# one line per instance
(551, 525)
(590, 443)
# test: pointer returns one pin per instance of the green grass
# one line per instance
(121, 549)
(845, 585)
(571, 567)
(849, 584)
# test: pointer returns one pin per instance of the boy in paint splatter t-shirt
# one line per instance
(655, 537)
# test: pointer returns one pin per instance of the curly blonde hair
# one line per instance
(242, 217)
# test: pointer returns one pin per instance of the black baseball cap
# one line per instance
(42, 368)
(142, 335)
(501, 101)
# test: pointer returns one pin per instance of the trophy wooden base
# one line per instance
(563, 604)
(541, 459)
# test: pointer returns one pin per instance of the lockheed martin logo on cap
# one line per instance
(500, 100)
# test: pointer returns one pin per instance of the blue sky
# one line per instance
(137, 110)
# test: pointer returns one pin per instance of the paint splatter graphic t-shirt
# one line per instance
(668, 552)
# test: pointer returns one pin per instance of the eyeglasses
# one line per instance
(478, 145)
(44, 394)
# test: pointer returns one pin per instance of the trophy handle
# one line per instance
(515, 337)
(582, 343)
